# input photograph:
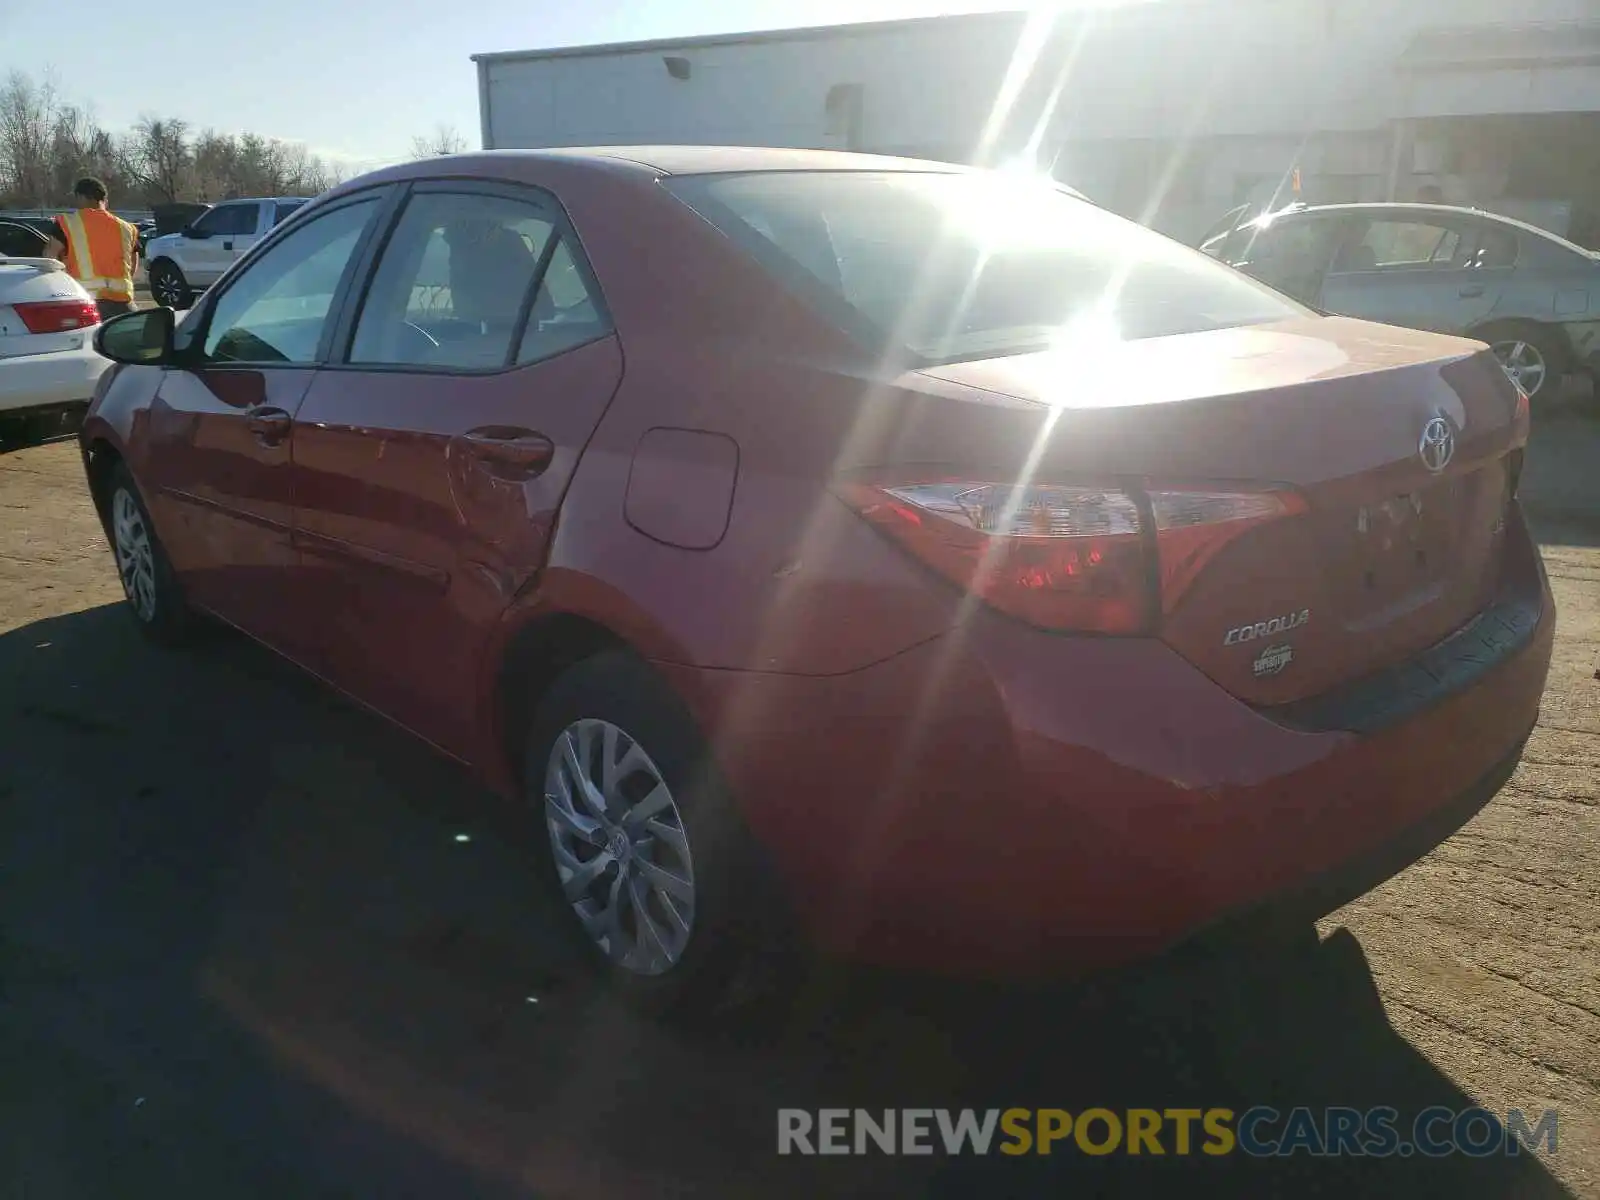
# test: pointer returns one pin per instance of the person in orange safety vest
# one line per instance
(101, 250)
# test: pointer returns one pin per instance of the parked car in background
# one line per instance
(179, 264)
(26, 237)
(990, 583)
(1532, 296)
(48, 364)
(21, 240)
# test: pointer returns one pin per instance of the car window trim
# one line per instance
(194, 336)
(541, 268)
(343, 340)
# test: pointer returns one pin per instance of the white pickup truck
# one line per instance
(179, 264)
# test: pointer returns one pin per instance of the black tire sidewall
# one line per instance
(619, 688)
(171, 618)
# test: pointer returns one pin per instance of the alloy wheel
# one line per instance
(620, 846)
(136, 564)
(1523, 362)
(166, 290)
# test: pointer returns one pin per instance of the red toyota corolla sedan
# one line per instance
(1000, 586)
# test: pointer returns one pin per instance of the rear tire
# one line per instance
(148, 582)
(644, 855)
(168, 286)
(1532, 356)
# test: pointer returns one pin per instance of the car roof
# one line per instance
(709, 160)
(1454, 210)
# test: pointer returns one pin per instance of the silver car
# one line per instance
(1532, 296)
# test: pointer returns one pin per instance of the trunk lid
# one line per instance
(35, 281)
(1400, 538)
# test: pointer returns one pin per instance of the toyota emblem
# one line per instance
(1438, 444)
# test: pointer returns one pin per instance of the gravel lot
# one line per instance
(255, 942)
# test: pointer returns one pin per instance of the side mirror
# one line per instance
(141, 338)
(189, 231)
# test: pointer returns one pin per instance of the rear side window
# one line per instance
(456, 287)
(565, 311)
(1290, 253)
(972, 265)
(1498, 247)
(284, 209)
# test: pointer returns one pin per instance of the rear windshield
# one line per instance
(960, 266)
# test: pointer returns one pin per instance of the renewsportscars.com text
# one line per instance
(1257, 1132)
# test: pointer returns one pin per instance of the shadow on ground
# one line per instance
(19, 433)
(247, 952)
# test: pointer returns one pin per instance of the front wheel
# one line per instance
(147, 578)
(641, 847)
(168, 285)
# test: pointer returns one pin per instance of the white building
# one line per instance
(1173, 110)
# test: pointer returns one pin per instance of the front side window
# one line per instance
(206, 222)
(228, 220)
(958, 266)
(453, 287)
(275, 311)
(1290, 253)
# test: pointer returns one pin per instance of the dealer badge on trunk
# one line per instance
(1273, 660)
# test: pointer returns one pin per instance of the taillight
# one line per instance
(57, 316)
(1192, 528)
(1064, 557)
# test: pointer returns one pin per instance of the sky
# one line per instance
(355, 80)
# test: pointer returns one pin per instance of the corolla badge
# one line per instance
(1437, 445)
(1261, 629)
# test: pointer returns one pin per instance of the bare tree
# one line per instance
(46, 145)
(215, 158)
(162, 159)
(443, 140)
(28, 115)
(81, 147)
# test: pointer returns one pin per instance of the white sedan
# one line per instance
(48, 364)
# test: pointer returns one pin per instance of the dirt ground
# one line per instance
(254, 942)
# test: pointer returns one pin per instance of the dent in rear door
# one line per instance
(429, 474)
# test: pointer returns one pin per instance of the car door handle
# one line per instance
(269, 425)
(509, 452)
(227, 245)
(1471, 291)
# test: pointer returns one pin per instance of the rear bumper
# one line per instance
(1316, 897)
(1002, 801)
(43, 381)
